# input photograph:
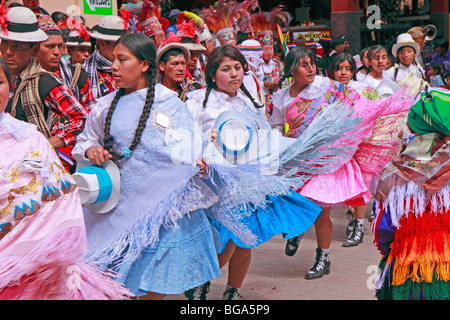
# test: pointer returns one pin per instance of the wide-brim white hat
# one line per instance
(74, 40)
(237, 137)
(166, 47)
(405, 40)
(22, 26)
(193, 46)
(387, 88)
(110, 28)
(98, 186)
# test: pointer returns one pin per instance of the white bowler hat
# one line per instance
(237, 137)
(98, 186)
(110, 28)
(405, 40)
(387, 88)
(22, 25)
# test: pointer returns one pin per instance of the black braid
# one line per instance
(282, 79)
(108, 140)
(244, 89)
(208, 91)
(111, 109)
(145, 111)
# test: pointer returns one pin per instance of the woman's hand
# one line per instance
(98, 155)
(203, 166)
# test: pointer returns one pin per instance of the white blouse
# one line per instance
(402, 72)
(282, 100)
(218, 102)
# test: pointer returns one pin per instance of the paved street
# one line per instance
(275, 276)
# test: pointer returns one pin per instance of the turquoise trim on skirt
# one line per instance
(289, 215)
(183, 258)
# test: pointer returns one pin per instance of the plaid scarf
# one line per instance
(28, 91)
(96, 62)
(69, 79)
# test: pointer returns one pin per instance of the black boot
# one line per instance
(292, 245)
(321, 266)
(357, 235)
(198, 293)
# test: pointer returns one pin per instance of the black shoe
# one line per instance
(321, 267)
(292, 245)
(198, 293)
(231, 294)
(356, 237)
(351, 222)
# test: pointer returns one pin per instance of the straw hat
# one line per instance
(172, 42)
(22, 25)
(405, 40)
(110, 28)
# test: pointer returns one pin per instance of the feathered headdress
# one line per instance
(264, 23)
(189, 35)
(243, 15)
(148, 14)
(221, 19)
(202, 27)
(187, 16)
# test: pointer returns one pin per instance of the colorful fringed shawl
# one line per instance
(412, 228)
(382, 120)
(43, 237)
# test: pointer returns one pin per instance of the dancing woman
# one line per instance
(295, 108)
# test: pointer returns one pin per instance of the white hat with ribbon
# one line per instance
(21, 25)
(237, 137)
(110, 28)
(405, 40)
(98, 186)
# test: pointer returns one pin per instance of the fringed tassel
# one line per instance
(410, 197)
(421, 248)
(329, 141)
(240, 186)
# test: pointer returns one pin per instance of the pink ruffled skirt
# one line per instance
(343, 187)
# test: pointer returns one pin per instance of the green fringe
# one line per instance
(384, 293)
(410, 290)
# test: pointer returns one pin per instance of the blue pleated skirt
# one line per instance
(184, 258)
(289, 215)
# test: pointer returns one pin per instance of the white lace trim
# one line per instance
(316, 89)
(19, 129)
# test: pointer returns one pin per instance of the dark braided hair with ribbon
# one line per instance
(144, 49)
(215, 59)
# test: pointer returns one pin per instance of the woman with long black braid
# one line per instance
(139, 126)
